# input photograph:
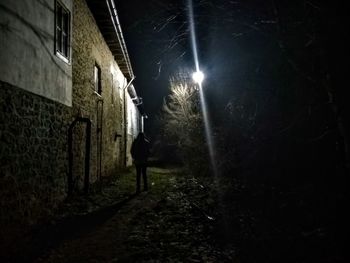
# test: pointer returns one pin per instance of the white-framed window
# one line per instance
(62, 31)
(97, 79)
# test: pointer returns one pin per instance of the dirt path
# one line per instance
(106, 242)
(162, 225)
(181, 220)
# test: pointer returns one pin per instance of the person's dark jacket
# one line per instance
(140, 150)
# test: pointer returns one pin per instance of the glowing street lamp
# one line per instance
(198, 77)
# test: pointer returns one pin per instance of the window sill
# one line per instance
(98, 94)
(63, 58)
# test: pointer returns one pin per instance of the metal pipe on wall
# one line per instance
(99, 136)
(87, 154)
(125, 121)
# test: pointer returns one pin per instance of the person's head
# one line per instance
(140, 136)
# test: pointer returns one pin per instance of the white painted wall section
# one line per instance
(28, 60)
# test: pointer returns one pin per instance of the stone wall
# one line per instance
(33, 154)
(34, 130)
(104, 110)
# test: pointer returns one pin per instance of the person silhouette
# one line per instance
(140, 151)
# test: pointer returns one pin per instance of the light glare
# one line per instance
(198, 77)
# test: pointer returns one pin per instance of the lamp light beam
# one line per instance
(198, 77)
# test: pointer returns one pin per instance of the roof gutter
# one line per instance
(113, 12)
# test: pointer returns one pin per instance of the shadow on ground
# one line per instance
(45, 237)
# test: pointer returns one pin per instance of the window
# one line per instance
(62, 34)
(97, 79)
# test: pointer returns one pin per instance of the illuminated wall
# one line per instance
(27, 42)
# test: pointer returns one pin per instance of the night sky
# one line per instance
(151, 61)
(240, 44)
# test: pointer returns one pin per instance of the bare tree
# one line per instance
(182, 123)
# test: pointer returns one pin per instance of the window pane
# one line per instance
(65, 22)
(62, 30)
(96, 78)
(59, 40)
(59, 16)
(65, 45)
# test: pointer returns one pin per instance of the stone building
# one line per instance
(69, 110)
